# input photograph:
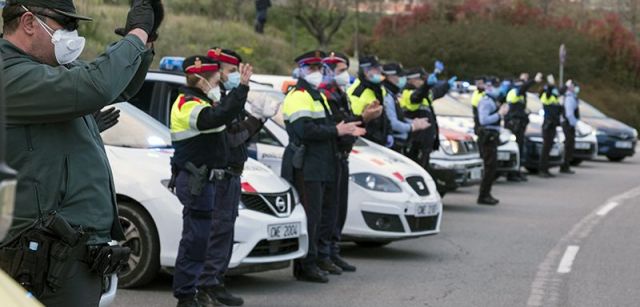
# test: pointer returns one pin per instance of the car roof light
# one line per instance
(171, 63)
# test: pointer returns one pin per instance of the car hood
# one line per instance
(257, 178)
(369, 156)
(608, 125)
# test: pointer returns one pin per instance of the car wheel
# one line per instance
(372, 244)
(532, 170)
(141, 236)
(576, 162)
(615, 159)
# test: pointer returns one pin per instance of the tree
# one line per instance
(321, 18)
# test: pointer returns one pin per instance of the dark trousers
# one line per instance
(548, 134)
(261, 20)
(81, 288)
(518, 127)
(420, 153)
(312, 196)
(342, 192)
(569, 144)
(489, 140)
(197, 222)
(220, 245)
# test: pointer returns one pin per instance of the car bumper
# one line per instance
(388, 218)
(253, 249)
(611, 146)
(533, 150)
(508, 157)
(585, 150)
(466, 172)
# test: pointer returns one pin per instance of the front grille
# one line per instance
(418, 185)
(279, 204)
(266, 248)
(470, 146)
(383, 222)
(513, 161)
(426, 223)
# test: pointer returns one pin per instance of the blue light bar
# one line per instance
(171, 63)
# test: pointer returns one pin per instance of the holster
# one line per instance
(41, 255)
(174, 177)
(298, 155)
(486, 136)
(199, 176)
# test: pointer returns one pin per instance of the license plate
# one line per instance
(504, 156)
(283, 231)
(625, 145)
(476, 173)
(555, 152)
(583, 145)
(426, 210)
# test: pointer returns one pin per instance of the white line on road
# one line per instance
(567, 259)
(607, 208)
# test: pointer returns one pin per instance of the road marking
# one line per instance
(567, 260)
(607, 208)
(548, 284)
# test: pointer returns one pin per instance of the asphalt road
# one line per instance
(516, 254)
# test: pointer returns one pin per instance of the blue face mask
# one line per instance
(402, 82)
(233, 81)
(376, 79)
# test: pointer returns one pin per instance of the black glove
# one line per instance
(141, 15)
(158, 17)
(107, 118)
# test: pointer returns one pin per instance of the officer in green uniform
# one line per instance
(310, 160)
(54, 143)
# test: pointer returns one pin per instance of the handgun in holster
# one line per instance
(199, 176)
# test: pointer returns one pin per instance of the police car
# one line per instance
(390, 197)
(270, 230)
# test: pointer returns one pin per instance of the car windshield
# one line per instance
(451, 105)
(272, 95)
(136, 129)
(587, 110)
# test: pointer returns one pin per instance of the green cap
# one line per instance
(62, 7)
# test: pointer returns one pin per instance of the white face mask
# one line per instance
(314, 78)
(68, 44)
(343, 79)
(214, 93)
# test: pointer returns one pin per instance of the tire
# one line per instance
(615, 159)
(576, 162)
(532, 170)
(372, 244)
(141, 236)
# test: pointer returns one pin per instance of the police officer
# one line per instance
(394, 82)
(476, 96)
(518, 118)
(367, 92)
(201, 159)
(417, 102)
(310, 160)
(211, 287)
(54, 143)
(552, 113)
(570, 118)
(490, 115)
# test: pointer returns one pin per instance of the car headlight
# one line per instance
(375, 182)
(635, 133)
(450, 147)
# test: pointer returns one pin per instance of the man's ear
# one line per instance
(28, 24)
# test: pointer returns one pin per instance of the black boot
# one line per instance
(523, 177)
(345, 266)
(221, 295)
(546, 174)
(487, 200)
(311, 275)
(567, 170)
(329, 266)
(514, 177)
